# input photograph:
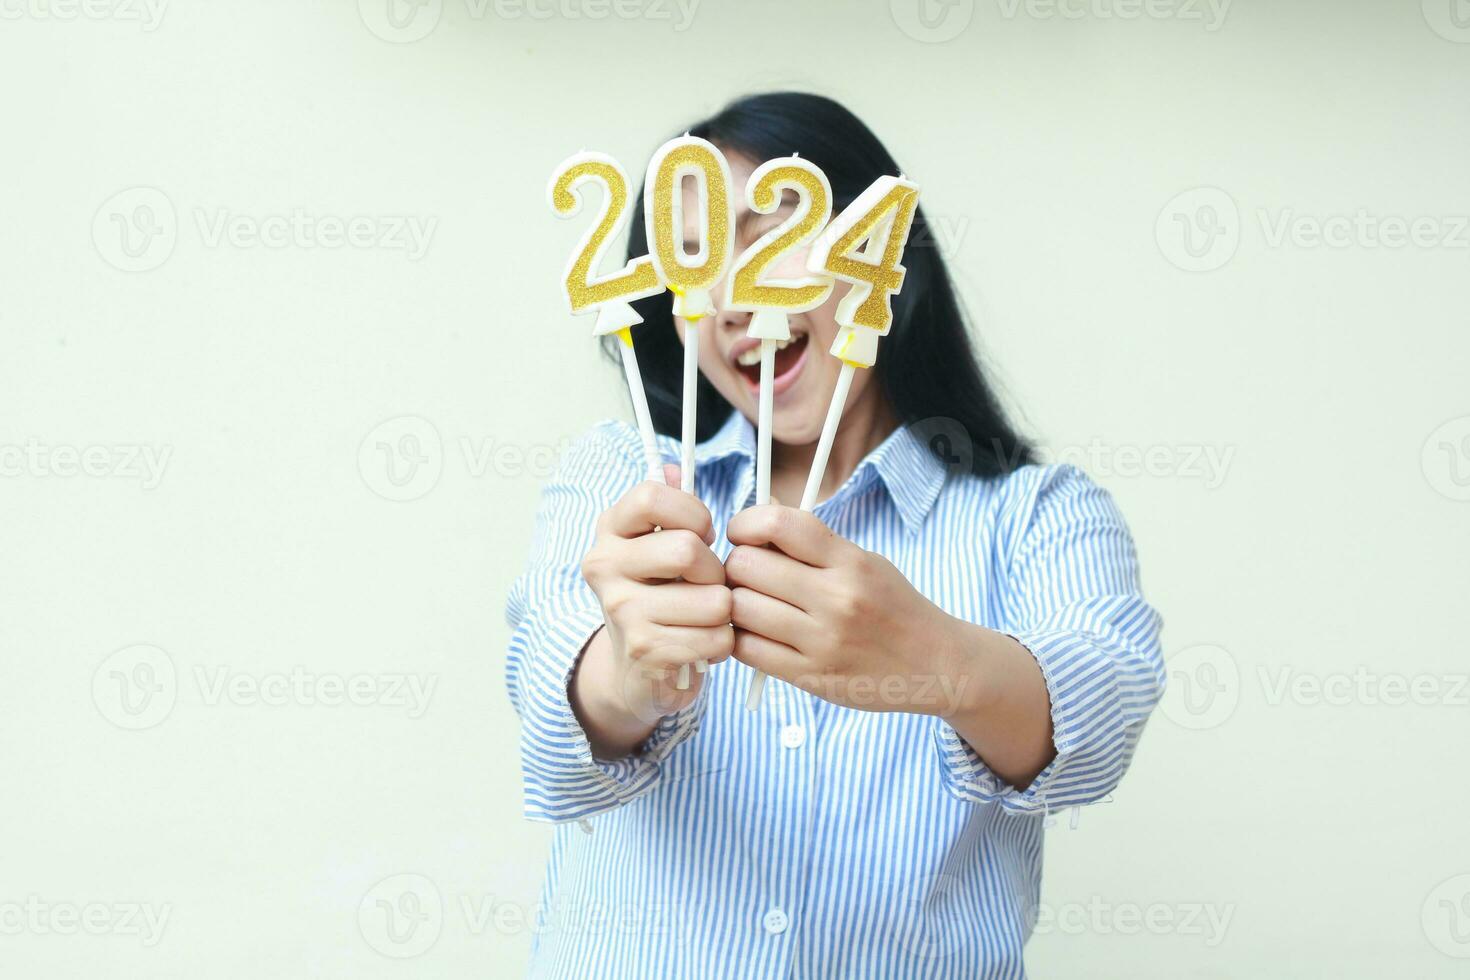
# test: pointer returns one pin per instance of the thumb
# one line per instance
(673, 475)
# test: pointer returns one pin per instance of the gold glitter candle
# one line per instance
(863, 246)
(608, 295)
(690, 277)
(751, 288)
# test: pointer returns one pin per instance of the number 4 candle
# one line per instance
(879, 221)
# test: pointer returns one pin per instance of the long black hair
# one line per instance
(926, 365)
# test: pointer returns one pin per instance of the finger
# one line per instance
(670, 555)
(648, 506)
(678, 646)
(775, 620)
(801, 535)
(774, 574)
(685, 604)
(673, 475)
(768, 656)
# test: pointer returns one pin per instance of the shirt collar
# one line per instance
(735, 438)
(911, 473)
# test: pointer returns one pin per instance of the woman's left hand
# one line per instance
(817, 611)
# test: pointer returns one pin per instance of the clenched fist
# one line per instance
(664, 604)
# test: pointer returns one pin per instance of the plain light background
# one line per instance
(1218, 256)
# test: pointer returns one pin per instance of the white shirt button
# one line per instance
(793, 736)
(775, 922)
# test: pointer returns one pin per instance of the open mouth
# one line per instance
(790, 356)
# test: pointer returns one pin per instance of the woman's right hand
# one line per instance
(664, 604)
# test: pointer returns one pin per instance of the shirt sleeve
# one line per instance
(1073, 601)
(552, 613)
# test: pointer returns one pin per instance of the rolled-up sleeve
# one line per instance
(552, 613)
(1073, 600)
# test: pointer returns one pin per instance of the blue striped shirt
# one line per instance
(807, 839)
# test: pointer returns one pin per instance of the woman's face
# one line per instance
(806, 373)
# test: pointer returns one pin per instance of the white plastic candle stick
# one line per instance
(829, 434)
(690, 415)
(651, 458)
(759, 286)
(879, 219)
(765, 413)
(688, 438)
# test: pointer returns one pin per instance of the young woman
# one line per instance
(956, 637)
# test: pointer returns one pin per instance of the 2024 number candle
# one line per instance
(862, 246)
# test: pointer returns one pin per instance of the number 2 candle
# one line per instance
(609, 297)
(771, 299)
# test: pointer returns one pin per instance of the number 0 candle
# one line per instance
(689, 277)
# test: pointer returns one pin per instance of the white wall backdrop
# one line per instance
(283, 363)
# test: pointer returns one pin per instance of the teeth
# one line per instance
(752, 357)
